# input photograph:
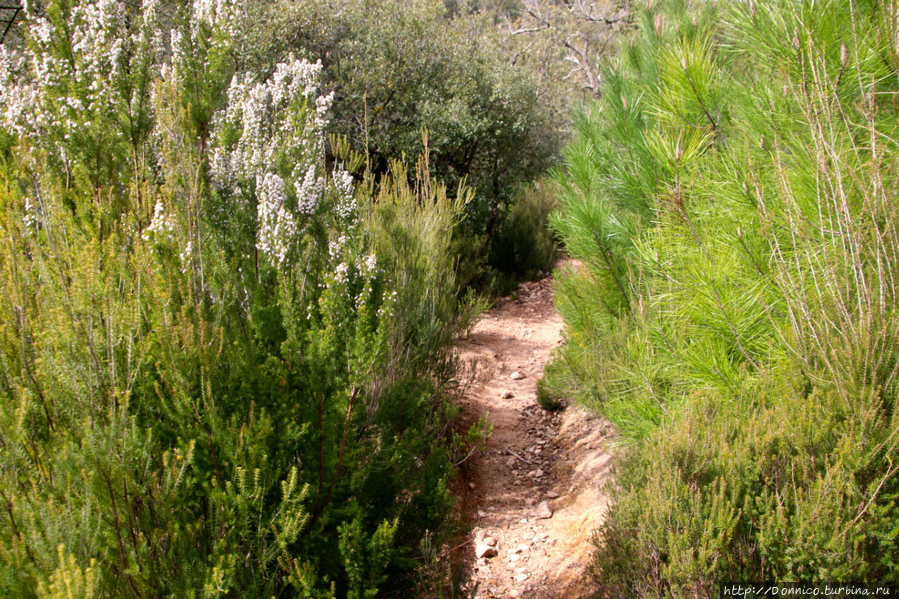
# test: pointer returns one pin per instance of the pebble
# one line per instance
(551, 494)
(490, 541)
(507, 395)
(521, 577)
(516, 376)
(543, 511)
(485, 551)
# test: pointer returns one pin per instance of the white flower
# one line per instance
(343, 181)
(162, 226)
(340, 272)
(370, 264)
(264, 112)
(32, 214)
(186, 255)
(309, 192)
(277, 226)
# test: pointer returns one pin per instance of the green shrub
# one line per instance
(546, 398)
(398, 67)
(730, 203)
(523, 244)
(225, 365)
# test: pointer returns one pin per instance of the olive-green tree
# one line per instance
(398, 67)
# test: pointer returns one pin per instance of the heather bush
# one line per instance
(730, 203)
(225, 361)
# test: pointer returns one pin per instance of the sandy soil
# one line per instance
(533, 456)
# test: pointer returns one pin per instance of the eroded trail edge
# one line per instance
(534, 495)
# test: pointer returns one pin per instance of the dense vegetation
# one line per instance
(225, 360)
(235, 239)
(732, 202)
(397, 66)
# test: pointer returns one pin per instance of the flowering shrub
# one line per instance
(218, 372)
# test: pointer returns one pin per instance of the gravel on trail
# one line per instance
(535, 494)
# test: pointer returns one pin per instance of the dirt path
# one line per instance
(520, 546)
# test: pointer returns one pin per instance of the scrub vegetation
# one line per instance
(239, 240)
(731, 200)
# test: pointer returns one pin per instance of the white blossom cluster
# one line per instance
(343, 183)
(214, 27)
(162, 227)
(277, 226)
(335, 248)
(186, 256)
(267, 118)
(309, 191)
(388, 307)
(68, 75)
(365, 268)
(16, 99)
(340, 273)
(32, 217)
(264, 114)
(220, 14)
(368, 267)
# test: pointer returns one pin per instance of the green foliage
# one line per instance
(365, 558)
(438, 578)
(732, 308)
(399, 67)
(546, 397)
(185, 411)
(523, 245)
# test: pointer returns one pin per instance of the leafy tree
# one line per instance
(396, 68)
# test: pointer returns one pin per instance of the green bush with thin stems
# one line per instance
(185, 412)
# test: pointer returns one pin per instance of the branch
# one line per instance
(530, 29)
(699, 99)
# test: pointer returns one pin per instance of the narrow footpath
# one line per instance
(536, 493)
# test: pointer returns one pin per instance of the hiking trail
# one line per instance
(535, 493)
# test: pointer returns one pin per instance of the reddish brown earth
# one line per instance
(533, 456)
